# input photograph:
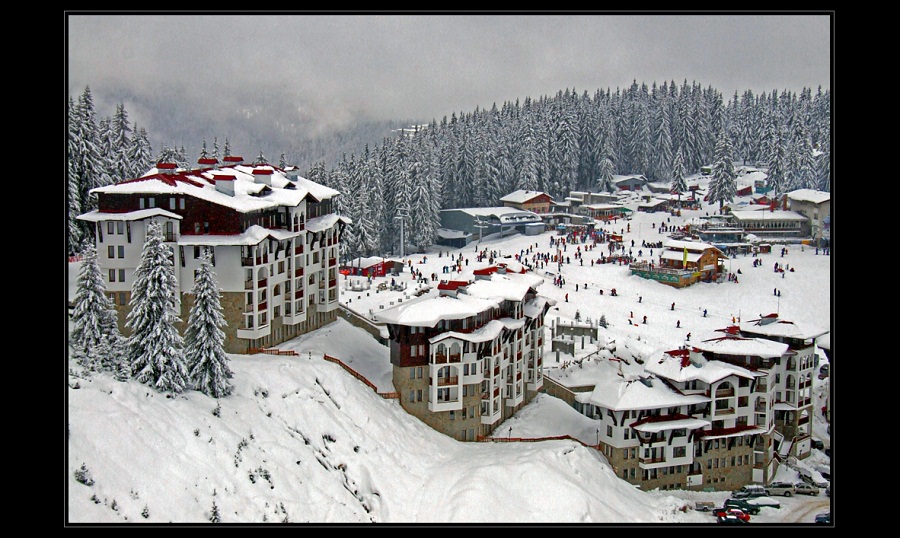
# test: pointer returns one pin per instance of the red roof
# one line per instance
(166, 166)
(224, 177)
(452, 285)
(233, 159)
(486, 271)
(263, 171)
(168, 179)
(208, 160)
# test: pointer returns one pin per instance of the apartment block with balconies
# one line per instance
(466, 361)
(274, 243)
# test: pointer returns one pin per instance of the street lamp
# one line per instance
(598, 437)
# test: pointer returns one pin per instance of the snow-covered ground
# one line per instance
(300, 440)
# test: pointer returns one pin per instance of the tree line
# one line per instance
(556, 144)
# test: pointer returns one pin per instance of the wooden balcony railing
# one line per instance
(444, 381)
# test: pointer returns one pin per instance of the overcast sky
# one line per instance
(425, 66)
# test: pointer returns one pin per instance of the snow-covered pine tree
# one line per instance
(227, 150)
(73, 182)
(140, 153)
(215, 153)
(155, 348)
(204, 154)
(260, 160)
(204, 339)
(723, 186)
(282, 161)
(121, 142)
(679, 184)
(95, 336)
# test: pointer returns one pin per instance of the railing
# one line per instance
(248, 284)
(332, 262)
(298, 250)
(725, 411)
(722, 393)
(761, 387)
(298, 271)
(272, 351)
(357, 375)
(298, 294)
(261, 283)
(440, 358)
(332, 283)
(655, 459)
(262, 306)
(444, 381)
(455, 357)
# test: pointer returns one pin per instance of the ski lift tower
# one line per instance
(402, 215)
(480, 225)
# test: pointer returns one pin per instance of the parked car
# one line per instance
(781, 488)
(818, 444)
(824, 518)
(743, 505)
(764, 501)
(704, 506)
(806, 489)
(823, 371)
(828, 491)
(749, 491)
(729, 519)
(736, 512)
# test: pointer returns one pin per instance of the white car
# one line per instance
(805, 489)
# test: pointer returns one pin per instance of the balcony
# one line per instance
(298, 294)
(724, 411)
(261, 283)
(298, 250)
(445, 381)
(332, 283)
(298, 272)
(248, 284)
(654, 459)
(722, 393)
(761, 387)
(262, 306)
(332, 262)
(760, 408)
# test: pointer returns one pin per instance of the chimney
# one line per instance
(207, 163)
(262, 175)
(166, 168)
(225, 184)
(233, 160)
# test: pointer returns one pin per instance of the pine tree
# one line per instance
(282, 162)
(215, 153)
(227, 150)
(260, 160)
(204, 339)
(140, 154)
(95, 335)
(679, 184)
(723, 185)
(204, 154)
(121, 144)
(155, 348)
(73, 182)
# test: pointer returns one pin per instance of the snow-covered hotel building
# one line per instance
(466, 360)
(274, 242)
(722, 413)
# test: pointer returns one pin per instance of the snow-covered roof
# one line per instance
(691, 246)
(679, 255)
(824, 341)
(603, 206)
(504, 214)
(809, 195)
(534, 307)
(324, 222)
(779, 327)
(201, 184)
(758, 214)
(736, 433)
(140, 214)
(670, 367)
(428, 311)
(619, 394)
(510, 287)
(619, 178)
(522, 196)
(486, 333)
(447, 233)
(674, 424)
(252, 236)
(756, 347)
(364, 262)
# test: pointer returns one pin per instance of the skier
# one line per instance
(678, 324)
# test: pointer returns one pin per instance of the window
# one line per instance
(196, 252)
(609, 431)
(452, 414)
(151, 202)
(110, 251)
(121, 251)
(112, 275)
(141, 203)
(625, 453)
(709, 464)
(110, 227)
(419, 395)
(121, 275)
(196, 227)
(412, 373)
(122, 298)
(419, 372)
(624, 473)
(412, 396)
(181, 203)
